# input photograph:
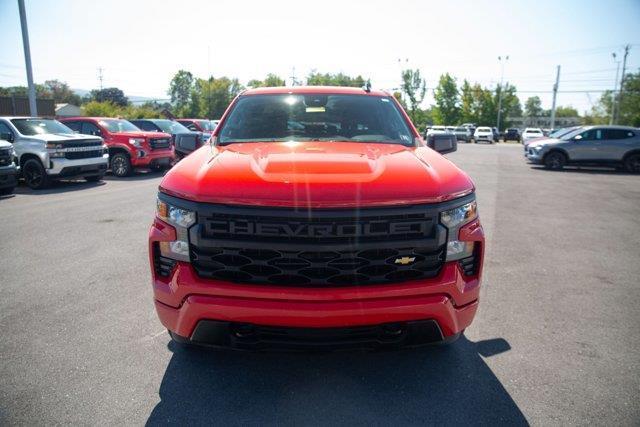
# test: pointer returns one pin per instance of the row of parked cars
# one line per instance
(42, 150)
(468, 132)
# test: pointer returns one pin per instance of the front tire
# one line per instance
(121, 165)
(555, 160)
(34, 175)
(632, 163)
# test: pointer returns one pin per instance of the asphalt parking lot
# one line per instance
(555, 341)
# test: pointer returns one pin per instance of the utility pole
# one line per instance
(502, 61)
(100, 77)
(33, 106)
(624, 68)
(294, 82)
(553, 103)
(615, 88)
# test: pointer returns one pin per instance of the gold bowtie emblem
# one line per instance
(405, 260)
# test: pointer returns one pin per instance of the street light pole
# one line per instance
(27, 59)
(502, 61)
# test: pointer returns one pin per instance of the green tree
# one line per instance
(61, 93)
(533, 107)
(272, 80)
(629, 109)
(101, 109)
(181, 90)
(22, 91)
(467, 103)
(318, 79)
(215, 95)
(111, 94)
(510, 104)
(447, 110)
(567, 111)
(414, 88)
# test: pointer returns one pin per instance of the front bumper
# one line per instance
(153, 158)
(183, 300)
(8, 176)
(67, 168)
(534, 157)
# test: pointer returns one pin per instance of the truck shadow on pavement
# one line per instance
(58, 187)
(440, 385)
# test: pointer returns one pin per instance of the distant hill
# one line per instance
(133, 99)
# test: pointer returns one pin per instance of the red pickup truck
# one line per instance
(129, 147)
(316, 218)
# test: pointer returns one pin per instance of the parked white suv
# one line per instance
(483, 133)
(531, 133)
(47, 150)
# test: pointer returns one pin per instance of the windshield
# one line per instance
(169, 126)
(562, 132)
(484, 130)
(315, 117)
(461, 129)
(438, 128)
(533, 131)
(117, 126)
(39, 126)
(573, 132)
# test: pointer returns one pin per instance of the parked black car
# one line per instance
(496, 134)
(184, 140)
(512, 134)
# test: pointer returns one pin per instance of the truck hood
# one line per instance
(316, 174)
(143, 134)
(59, 137)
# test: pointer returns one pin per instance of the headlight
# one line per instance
(453, 219)
(136, 142)
(538, 148)
(174, 215)
(53, 150)
(181, 219)
(460, 215)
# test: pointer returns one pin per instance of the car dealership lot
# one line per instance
(555, 340)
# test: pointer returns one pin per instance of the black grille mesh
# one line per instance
(310, 268)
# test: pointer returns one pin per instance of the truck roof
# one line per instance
(313, 89)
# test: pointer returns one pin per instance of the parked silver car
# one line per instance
(463, 134)
(590, 145)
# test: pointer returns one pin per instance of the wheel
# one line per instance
(94, 178)
(6, 191)
(121, 165)
(632, 163)
(555, 160)
(34, 174)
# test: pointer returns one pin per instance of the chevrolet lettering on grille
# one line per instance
(373, 228)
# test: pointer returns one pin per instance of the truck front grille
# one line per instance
(310, 268)
(160, 143)
(75, 155)
(325, 248)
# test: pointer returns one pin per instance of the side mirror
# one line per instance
(7, 136)
(442, 145)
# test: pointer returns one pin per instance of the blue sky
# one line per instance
(140, 44)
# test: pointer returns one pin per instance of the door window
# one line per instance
(590, 135)
(90, 129)
(4, 129)
(617, 134)
(74, 126)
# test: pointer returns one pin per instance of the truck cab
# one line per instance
(129, 147)
(47, 150)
